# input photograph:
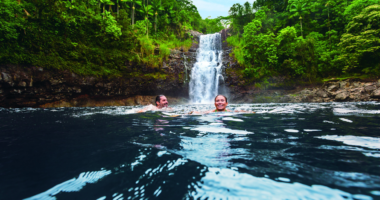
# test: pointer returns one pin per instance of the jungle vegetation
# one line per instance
(306, 39)
(96, 37)
(299, 39)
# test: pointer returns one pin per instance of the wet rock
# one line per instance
(344, 84)
(356, 84)
(54, 81)
(305, 92)
(357, 90)
(31, 82)
(7, 78)
(342, 96)
(1, 91)
(327, 100)
(26, 103)
(164, 66)
(285, 99)
(16, 91)
(108, 86)
(89, 81)
(322, 93)
(77, 90)
(196, 35)
(21, 84)
(332, 88)
(99, 85)
(376, 93)
(354, 96)
(369, 88)
(378, 83)
(317, 100)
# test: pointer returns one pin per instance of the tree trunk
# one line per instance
(328, 13)
(100, 8)
(117, 6)
(301, 28)
(133, 14)
(155, 24)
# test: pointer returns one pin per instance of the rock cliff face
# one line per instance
(348, 90)
(32, 86)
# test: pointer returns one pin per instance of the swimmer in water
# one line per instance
(220, 103)
(161, 103)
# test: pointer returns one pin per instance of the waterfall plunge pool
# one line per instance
(284, 151)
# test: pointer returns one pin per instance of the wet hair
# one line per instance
(222, 96)
(158, 98)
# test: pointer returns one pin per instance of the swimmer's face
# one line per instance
(220, 103)
(163, 102)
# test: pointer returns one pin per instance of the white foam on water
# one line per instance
(330, 122)
(229, 184)
(355, 110)
(346, 120)
(72, 185)
(311, 130)
(232, 119)
(362, 141)
(291, 130)
(213, 129)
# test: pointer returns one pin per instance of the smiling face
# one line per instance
(220, 103)
(163, 103)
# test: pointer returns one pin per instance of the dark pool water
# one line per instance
(284, 151)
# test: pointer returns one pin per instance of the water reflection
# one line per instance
(285, 151)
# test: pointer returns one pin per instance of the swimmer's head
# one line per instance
(161, 101)
(221, 102)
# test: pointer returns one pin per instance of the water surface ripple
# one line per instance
(284, 151)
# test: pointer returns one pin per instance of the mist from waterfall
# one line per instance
(206, 75)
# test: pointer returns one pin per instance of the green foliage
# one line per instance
(10, 24)
(361, 44)
(97, 37)
(260, 51)
(357, 6)
(305, 39)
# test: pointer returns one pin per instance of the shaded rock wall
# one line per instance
(348, 90)
(32, 86)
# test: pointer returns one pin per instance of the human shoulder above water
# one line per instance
(161, 103)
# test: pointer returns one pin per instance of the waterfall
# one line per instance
(206, 74)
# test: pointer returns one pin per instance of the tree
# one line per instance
(106, 2)
(360, 46)
(156, 8)
(146, 10)
(134, 2)
(357, 6)
(298, 8)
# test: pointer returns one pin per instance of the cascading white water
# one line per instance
(206, 73)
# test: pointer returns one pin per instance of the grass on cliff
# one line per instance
(350, 76)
